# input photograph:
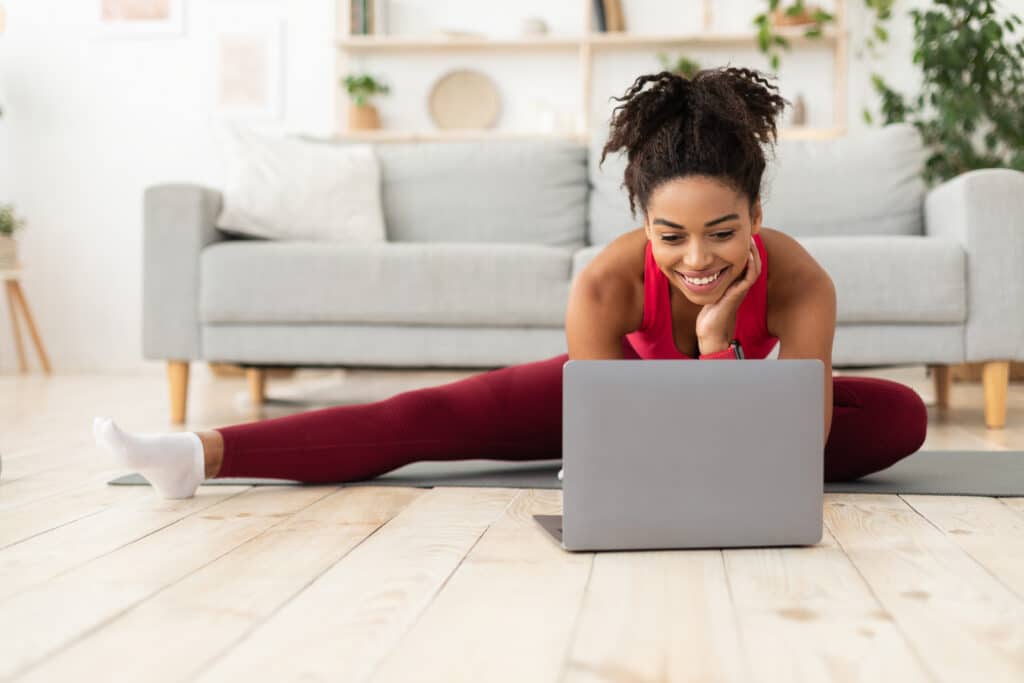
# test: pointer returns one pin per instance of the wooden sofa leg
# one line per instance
(995, 380)
(943, 380)
(177, 376)
(257, 385)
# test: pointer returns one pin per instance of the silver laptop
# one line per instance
(690, 454)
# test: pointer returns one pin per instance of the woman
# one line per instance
(693, 282)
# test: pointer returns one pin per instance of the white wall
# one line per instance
(91, 122)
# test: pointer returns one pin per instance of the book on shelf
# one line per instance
(614, 19)
(369, 17)
(600, 22)
(357, 10)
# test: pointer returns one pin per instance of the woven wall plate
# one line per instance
(464, 98)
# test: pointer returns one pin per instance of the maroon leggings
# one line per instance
(515, 413)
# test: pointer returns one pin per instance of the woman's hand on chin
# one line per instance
(716, 322)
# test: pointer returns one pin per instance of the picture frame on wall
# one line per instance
(136, 18)
(247, 67)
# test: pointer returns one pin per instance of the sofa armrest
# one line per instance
(983, 210)
(178, 223)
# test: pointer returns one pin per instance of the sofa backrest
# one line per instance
(867, 183)
(527, 191)
(864, 184)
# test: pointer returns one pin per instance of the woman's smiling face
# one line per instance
(701, 228)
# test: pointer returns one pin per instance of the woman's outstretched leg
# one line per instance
(512, 413)
(875, 422)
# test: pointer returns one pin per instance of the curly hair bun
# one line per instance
(714, 124)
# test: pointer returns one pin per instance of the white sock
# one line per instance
(173, 463)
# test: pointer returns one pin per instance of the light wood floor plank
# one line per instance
(41, 621)
(807, 615)
(506, 614)
(45, 556)
(657, 616)
(50, 512)
(350, 618)
(1013, 503)
(990, 532)
(962, 622)
(49, 483)
(216, 606)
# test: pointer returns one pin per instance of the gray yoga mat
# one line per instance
(946, 473)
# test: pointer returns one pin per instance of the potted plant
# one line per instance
(361, 114)
(797, 13)
(967, 108)
(683, 66)
(9, 224)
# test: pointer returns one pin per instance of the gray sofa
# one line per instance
(484, 238)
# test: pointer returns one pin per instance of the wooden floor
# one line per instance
(110, 583)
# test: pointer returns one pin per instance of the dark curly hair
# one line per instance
(711, 125)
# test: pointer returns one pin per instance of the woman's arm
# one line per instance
(606, 300)
(599, 314)
(801, 307)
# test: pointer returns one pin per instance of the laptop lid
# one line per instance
(690, 454)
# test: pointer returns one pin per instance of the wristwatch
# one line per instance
(732, 352)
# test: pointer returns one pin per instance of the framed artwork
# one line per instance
(140, 17)
(247, 73)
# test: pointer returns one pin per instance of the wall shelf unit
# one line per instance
(585, 45)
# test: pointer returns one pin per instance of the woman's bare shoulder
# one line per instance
(788, 261)
(618, 269)
(622, 258)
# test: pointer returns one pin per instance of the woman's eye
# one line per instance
(718, 235)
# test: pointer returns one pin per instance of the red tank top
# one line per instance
(654, 339)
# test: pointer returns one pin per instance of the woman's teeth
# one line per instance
(704, 281)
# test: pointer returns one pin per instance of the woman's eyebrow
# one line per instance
(662, 221)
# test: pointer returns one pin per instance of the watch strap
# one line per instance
(732, 352)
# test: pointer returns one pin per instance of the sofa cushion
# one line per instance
(917, 279)
(436, 284)
(608, 213)
(527, 191)
(284, 188)
(864, 184)
(898, 279)
(867, 183)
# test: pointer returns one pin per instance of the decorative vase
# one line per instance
(8, 252)
(799, 111)
(363, 117)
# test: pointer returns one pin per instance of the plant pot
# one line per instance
(779, 17)
(363, 117)
(8, 252)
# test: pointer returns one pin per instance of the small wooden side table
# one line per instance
(16, 299)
